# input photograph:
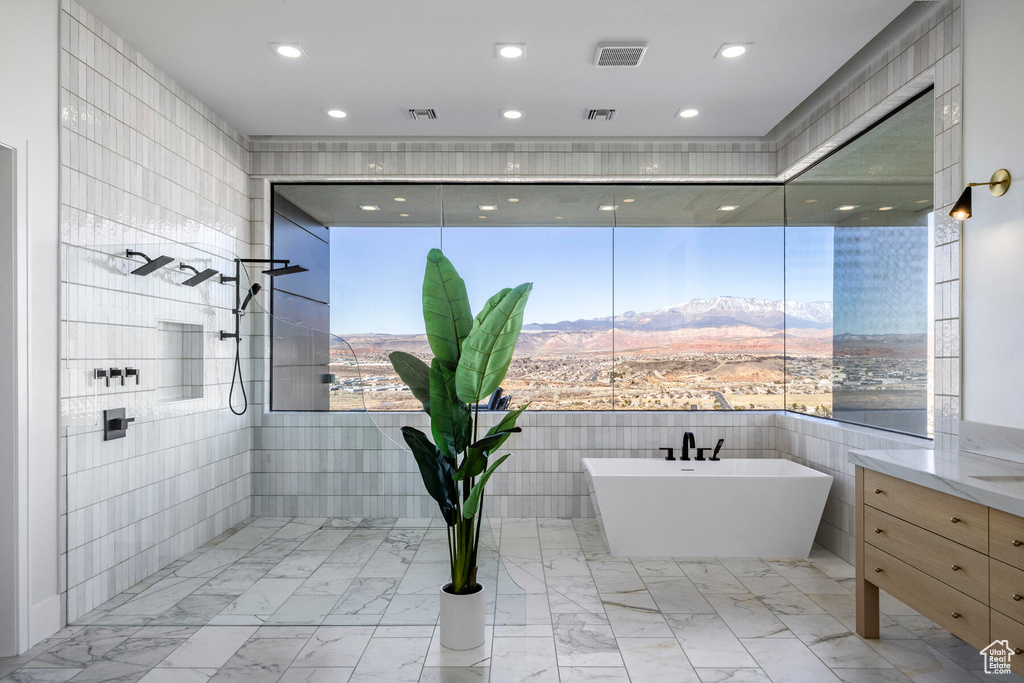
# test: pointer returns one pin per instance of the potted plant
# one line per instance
(471, 359)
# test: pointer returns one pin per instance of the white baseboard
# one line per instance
(43, 619)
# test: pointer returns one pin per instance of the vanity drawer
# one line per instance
(1005, 628)
(929, 596)
(931, 553)
(1006, 538)
(1007, 582)
(963, 521)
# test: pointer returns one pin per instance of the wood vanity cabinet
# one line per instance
(957, 562)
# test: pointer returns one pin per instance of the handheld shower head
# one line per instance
(253, 291)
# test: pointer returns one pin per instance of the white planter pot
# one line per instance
(462, 619)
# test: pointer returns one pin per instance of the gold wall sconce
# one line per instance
(997, 186)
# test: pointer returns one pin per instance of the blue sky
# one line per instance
(377, 272)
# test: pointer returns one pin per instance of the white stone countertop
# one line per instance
(990, 481)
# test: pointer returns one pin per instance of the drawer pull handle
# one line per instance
(878, 531)
(878, 569)
(955, 567)
(1017, 544)
(955, 615)
(954, 519)
(1018, 597)
(878, 491)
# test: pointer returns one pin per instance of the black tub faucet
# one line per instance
(688, 442)
(669, 456)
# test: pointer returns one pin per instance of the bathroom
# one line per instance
(261, 515)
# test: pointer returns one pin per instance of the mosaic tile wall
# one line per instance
(144, 166)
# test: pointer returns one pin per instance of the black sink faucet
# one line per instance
(688, 442)
(669, 456)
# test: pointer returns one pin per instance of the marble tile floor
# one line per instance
(315, 600)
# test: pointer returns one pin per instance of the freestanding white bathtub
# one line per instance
(730, 508)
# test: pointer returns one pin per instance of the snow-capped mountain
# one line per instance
(721, 311)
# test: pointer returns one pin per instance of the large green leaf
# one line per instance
(473, 502)
(437, 472)
(476, 455)
(445, 309)
(488, 349)
(489, 306)
(415, 374)
(450, 420)
(506, 425)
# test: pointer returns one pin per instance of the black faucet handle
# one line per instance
(700, 454)
(669, 456)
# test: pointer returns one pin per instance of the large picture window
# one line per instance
(811, 296)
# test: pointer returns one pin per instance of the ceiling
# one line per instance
(378, 59)
(890, 165)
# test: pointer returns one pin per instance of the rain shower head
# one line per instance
(200, 276)
(151, 265)
(285, 270)
(253, 291)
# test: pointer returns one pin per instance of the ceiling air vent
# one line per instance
(418, 114)
(620, 54)
(600, 114)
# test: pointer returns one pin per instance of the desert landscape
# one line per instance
(725, 353)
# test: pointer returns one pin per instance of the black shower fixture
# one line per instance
(285, 270)
(284, 267)
(253, 291)
(200, 275)
(151, 265)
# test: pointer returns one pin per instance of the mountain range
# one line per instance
(720, 311)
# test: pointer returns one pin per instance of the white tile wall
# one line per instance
(143, 165)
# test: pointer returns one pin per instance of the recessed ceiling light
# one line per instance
(885, 208)
(369, 207)
(558, 218)
(487, 207)
(728, 207)
(512, 113)
(399, 199)
(288, 50)
(336, 113)
(732, 51)
(513, 199)
(510, 50)
(687, 113)
(628, 201)
(810, 201)
(607, 207)
(847, 207)
(923, 201)
(481, 216)
(404, 215)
